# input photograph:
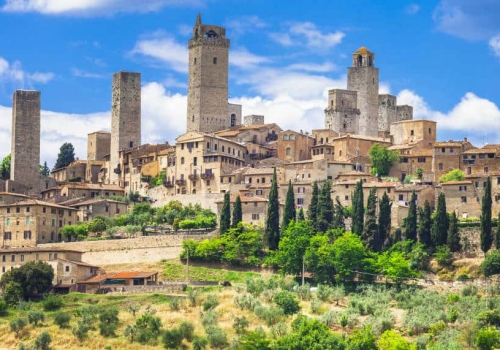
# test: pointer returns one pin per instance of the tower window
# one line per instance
(195, 60)
(192, 118)
(360, 61)
(233, 119)
(215, 60)
(131, 144)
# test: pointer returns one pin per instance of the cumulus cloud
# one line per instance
(412, 9)
(313, 67)
(242, 58)
(495, 45)
(244, 24)
(84, 74)
(307, 34)
(90, 7)
(14, 73)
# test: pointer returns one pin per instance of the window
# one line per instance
(12, 258)
(440, 166)
(67, 268)
(288, 151)
(401, 197)
(27, 221)
(22, 257)
(389, 190)
(258, 192)
(346, 198)
(263, 180)
(215, 60)
(464, 199)
(285, 137)
(27, 234)
(485, 169)
(421, 159)
(8, 210)
(37, 257)
(7, 222)
(182, 160)
(300, 201)
(208, 182)
(451, 150)
(44, 210)
(60, 223)
(53, 222)
(4, 258)
(443, 150)
(7, 236)
(255, 216)
(50, 256)
(462, 188)
(195, 161)
(404, 160)
(27, 209)
(469, 170)
(18, 210)
(255, 204)
(412, 132)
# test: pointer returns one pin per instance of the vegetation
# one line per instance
(272, 219)
(486, 236)
(5, 167)
(66, 156)
(313, 205)
(289, 210)
(358, 209)
(44, 169)
(225, 214)
(439, 232)
(452, 175)
(382, 159)
(237, 212)
(410, 223)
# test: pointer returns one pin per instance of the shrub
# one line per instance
(255, 286)
(24, 305)
(443, 255)
(209, 319)
(329, 318)
(187, 330)
(175, 304)
(81, 330)
(4, 308)
(286, 301)
(52, 302)
(108, 322)
(192, 296)
(17, 325)
(148, 328)
(199, 343)
(491, 263)
(217, 337)
(210, 302)
(62, 319)
(240, 324)
(271, 315)
(469, 290)
(316, 306)
(130, 332)
(487, 339)
(324, 293)
(172, 338)
(304, 292)
(42, 342)
(279, 330)
(35, 316)
(134, 308)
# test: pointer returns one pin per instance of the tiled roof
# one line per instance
(98, 200)
(465, 182)
(81, 263)
(36, 202)
(37, 250)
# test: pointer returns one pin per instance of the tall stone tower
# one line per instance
(125, 118)
(363, 78)
(207, 107)
(25, 148)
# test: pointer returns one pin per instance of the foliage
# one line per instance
(42, 342)
(12, 293)
(29, 279)
(486, 237)
(17, 325)
(300, 215)
(44, 169)
(410, 223)
(66, 156)
(491, 264)
(358, 209)
(391, 340)
(487, 339)
(325, 212)
(210, 302)
(349, 256)
(319, 258)
(439, 232)
(52, 302)
(5, 167)
(108, 322)
(35, 316)
(225, 214)
(237, 212)
(382, 159)
(453, 234)
(272, 219)
(216, 337)
(148, 328)
(4, 308)
(394, 265)
(289, 209)
(384, 220)
(80, 231)
(370, 233)
(292, 247)
(62, 319)
(97, 225)
(286, 301)
(240, 324)
(425, 225)
(313, 205)
(452, 175)
(443, 255)
(172, 338)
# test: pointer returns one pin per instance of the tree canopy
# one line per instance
(273, 216)
(44, 169)
(225, 214)
(382, 159)
(452, 175)
(486, 237)
(29, 279)
(5, 167)
(289, 213)
(66, 155)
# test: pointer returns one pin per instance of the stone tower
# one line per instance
(125, 118)
(98, 145)
(25, 149)
(342, 113)
(207, 101)
(363, 78)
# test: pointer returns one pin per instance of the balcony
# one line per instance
(168, 184)
(193, 177)
(207, 176)
(180, 182)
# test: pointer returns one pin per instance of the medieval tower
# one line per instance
(25, 148)
(362, 77)
(207, 101)
(125, 118)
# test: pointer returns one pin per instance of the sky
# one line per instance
(441, 57)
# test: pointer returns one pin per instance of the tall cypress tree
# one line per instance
(384, 220)
(300, 215)
(325, 212)
(453, 235)
(486, 238)
(425, 225)
(313, 206)
(439, 232)
(410, 223)
(497, 234)
(370, 230)
(289, 209)
(339, 216)
(225, 215)
(273, 216)
(358, 209)
(237, 212)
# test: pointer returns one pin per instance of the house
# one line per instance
(117, 279)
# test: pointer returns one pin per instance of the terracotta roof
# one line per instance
(98, 200)
(81, 263)
(36, 202)
(37, 250)
(90, 186)
(95, 279)
(448, 144)
(465, 182)
(362, 50)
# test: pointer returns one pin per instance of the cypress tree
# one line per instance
(273, 216)
(370, 231)
(289, 210)
(497, 234)
(453, 235)
(339, 216)
(486, 238)
(425, 225)
(410, 223)
(225, 215)
(300, 215)
(384, 221)
(313, 206)
(237, 212)
(440, 223)
(325, 212)
(358, 209)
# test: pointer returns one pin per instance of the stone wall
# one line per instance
(206, 200)
(161, 288)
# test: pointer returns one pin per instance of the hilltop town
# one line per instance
(223, 151)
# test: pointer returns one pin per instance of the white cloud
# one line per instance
(307, 34)
(313, 67)
(165, 49)
(84, 74)
(244, 24)
(283, 39)
(41, 77)
(384, 88)
(14, 73)
(90, 7)
(495, 45)
(412, 9)
(242, 58)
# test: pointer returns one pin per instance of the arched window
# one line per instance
(370, 61)
(222, 148)
(182, 160)
(288, 151)
(233, 119)
(360, 60)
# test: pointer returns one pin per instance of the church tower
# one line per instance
(207, 100)
(363, 78)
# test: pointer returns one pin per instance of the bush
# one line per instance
(443, 255)
(187, 330)
(4, 308)
(130, 332)
(17, 325)
(487, 339)
(35, 316)
(209, 319)
(199, 343)
(324, 293)
(81, 330)
(469, 290)
(316, 306)
(304, 292)
(42, 342)
(491, 264)
(240, 324)
(192, 296)
(52, 302)
(175, 304)
(210, 302)
(62, 319)
(286, 301)
(108, 322)
(271, 315)
(279, 330)
(148, 328)
(172, 338)
(329, 318)
(217, 337)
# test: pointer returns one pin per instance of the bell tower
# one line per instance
(363, 77)
(207, 98)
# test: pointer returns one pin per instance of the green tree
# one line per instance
(172, 338)
(287, 302)
(237, 212)
(66, 156)
(320, 258)
(42, 342)
(148, 328)
(440, 223)
(289, 209)
(486, 237)
(33, 277)
(391, 340)
(453, 235)
(300, 215)
(370, 231)
(384, 221)
(419, 173)
(325, 213)
(349, 255)
(425, 225)
(44, 169)
(17, 325)
(394, 265)
(358, 209)
(292, 247)
(382, 159)
(313, 205)
(108, 322)
(35, 317)
(5, 167)
(273, 216)
(496, 239)
(487, 338)
(410, 223)
(62, 319)
(97, 225)
(225, 214)
(339, 216)
(491, 263)
(452, 175)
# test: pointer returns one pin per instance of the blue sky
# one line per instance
(442, 57)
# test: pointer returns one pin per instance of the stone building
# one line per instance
(447, 156)
(294, 146)
(253, 208)
(481, 161)
(389, 112)
(125, 118)
(461, 198)
(253, 119)
(80, 190)
(208, 69)
(98, 145)
(31, 222)
(103, 207)
(25, 148)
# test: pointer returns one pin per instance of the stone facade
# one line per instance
(125, 118)
(253, 119)
(342, 113)
(25, 148)
(98, 145)
(447, 156)
(103, 207)
(294, 146)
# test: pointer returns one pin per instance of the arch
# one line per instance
(288, 151)
(370, 61)
(211, 34)
(233, 119)
(360, 60)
